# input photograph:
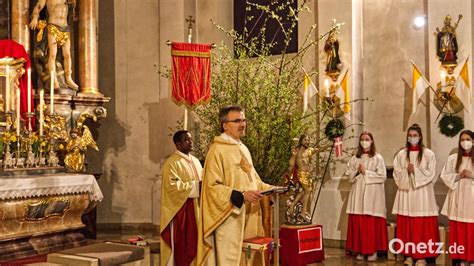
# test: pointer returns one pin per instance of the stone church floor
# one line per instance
(333, 256)
(337, 256)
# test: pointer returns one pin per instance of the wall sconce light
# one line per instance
(420, 21)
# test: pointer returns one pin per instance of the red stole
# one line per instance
(184, 234)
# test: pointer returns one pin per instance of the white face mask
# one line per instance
(466, 145)
(365, 144)
(413, 140)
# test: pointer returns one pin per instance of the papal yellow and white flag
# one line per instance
(462, 88)
(344, 96)
(309, 91)
(419, 86)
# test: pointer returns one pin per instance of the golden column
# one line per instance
(88, 47)
(20, 21)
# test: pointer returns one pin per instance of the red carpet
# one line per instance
(37, 258)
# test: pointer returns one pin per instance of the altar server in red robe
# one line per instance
(415, 203)
(366, 228)
(458, 175)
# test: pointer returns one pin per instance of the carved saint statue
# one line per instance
(57, 33)
(446, 42)
(331, 48)
(299, 172)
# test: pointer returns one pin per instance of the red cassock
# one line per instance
(184, 233)
(417, 230)
(191, 73)
(9, 48)
(366, 234)
(461, 234)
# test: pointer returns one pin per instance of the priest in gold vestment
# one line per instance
(231, 191)
(180, 204)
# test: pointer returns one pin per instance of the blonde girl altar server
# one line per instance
(458, 175)
(366, 228)
(415, 204)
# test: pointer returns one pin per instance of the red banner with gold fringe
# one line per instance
(191, 73)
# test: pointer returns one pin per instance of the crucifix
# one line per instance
(190, 20)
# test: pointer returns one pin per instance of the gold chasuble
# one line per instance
(222, 226)
(180, 185)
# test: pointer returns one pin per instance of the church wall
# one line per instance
(377, 43)
(387, 42)
(136, 138)
(387, 78)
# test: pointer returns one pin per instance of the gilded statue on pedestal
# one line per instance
(299, 173)
(54, 35)
(79, 139)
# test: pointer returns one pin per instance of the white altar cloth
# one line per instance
(26, 186)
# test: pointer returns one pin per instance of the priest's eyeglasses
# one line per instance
(237, 121)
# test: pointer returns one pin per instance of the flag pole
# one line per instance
(304, 70)
(311, 81)
(423, 76)
(190, 20)
(322, 181)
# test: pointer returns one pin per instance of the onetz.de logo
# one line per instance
(397, 246)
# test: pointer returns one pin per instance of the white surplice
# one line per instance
(367, 195)
(458, 205)
(415, 195)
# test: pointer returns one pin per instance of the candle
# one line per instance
(51, 95)
(7, 90)
(443, 77)
(326, 85)
(29, 90)
(41, 118)
(18, 112)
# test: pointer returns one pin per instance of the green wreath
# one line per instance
(450, 125)
(334, 128)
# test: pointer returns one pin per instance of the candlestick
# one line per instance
(18, 112)
(7, 90)
(41, 118)
(29, 91)
(51, 94)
